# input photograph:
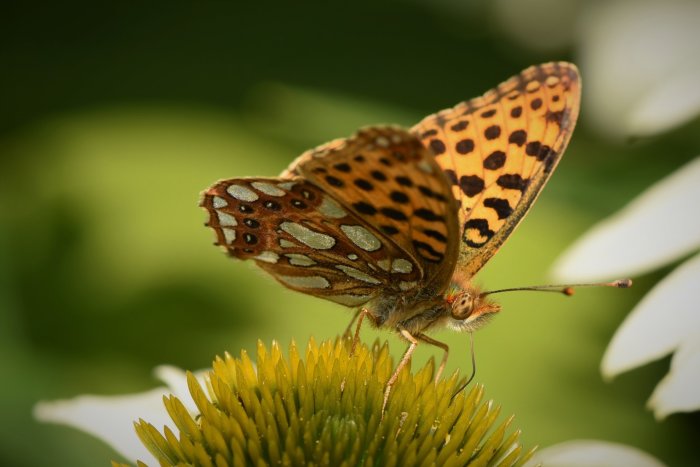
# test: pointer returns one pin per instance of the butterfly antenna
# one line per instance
(567, 289)
(471, 377)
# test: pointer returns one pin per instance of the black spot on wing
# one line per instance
(481, 226)
(389, 229)
(399, 197)
(364, 208)
(427, 252)
(363, 184)
(437, 146)
(533, 148)
(271, 205)
(435, 235)
(378, 175)
(252, 223)
(395, 214)
(495, 160)
(518, 137)
(500, 205)
(404, 181)
(460, 126)
(333, 181)
(512, 182)
(425, 191)
(556, 117)
(464, 146)
(471, 185)
(428, 215)
(492, 132)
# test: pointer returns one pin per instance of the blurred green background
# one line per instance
(113, 118)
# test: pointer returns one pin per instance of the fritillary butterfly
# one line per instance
(399, 221)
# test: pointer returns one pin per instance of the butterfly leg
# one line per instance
(348, 329)
(443, 346)
(364, 312)
(404, 360)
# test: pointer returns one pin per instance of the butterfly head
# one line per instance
(469, 310)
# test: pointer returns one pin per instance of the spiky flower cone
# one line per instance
(324, 408)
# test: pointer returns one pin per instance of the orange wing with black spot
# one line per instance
(499, 150)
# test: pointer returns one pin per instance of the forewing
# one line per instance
(385, 176)
(305, 239)
(500, 149)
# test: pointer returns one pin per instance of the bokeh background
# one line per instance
(113, 118)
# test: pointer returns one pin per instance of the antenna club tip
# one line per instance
(568, 291)
(623, 283)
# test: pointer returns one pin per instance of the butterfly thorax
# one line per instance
(414, 312)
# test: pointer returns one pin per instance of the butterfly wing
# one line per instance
(385, 176)
(311, 236)
(499, 150)
(305, 239)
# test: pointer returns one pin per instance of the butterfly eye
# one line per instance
(462, 307)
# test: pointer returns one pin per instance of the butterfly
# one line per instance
(397, 222)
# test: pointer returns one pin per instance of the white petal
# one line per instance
(678, 391)
(592, 453)
(628, 50)
(110, 418)
(669, 104)
(659, 226)
(665, 318)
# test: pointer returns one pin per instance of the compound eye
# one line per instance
(462, 307)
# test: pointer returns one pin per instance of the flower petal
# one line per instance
(668, 105)
(631, 52)
(657, 227)
(110, 418)
(667, 317)
(678, 391)
(592, 453)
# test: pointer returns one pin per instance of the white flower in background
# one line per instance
(592, 453)
(111, 418)
(659, 227)
(638, 58)
(640, 65)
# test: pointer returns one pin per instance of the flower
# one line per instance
(640, 65)
(657, 228)
(110, 418)
(322, 406)
(592, 453)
